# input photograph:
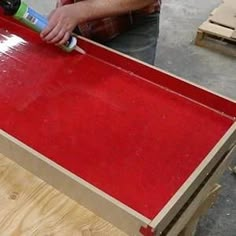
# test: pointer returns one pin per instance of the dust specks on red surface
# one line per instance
(136, 141)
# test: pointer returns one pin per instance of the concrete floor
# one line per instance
(178, 55)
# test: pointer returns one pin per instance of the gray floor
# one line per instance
(177, 54)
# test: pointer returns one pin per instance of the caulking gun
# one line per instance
(29, 17)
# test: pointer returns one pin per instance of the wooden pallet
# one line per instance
(219, 31)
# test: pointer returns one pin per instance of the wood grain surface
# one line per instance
(30, 207)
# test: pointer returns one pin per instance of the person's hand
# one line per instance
(62, 22)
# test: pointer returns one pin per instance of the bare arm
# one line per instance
(64, 19)
(93, 9)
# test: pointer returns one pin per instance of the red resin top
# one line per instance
(134, 140)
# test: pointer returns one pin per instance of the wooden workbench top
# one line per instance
(29, 206)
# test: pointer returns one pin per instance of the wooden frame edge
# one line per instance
(196, 202)
(161, 221)
(73, 186)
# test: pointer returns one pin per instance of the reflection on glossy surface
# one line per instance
(11, 42)
(132, 139)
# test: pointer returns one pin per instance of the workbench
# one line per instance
(136, 145)
(29, 206)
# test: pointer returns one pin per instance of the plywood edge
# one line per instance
(217, 30)
(73, 186)
(234, 34)
(207, 188)
(163, 219)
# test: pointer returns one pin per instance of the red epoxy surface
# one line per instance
(132, 139)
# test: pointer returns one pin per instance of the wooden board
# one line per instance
(229, 2)
(100, 126)
(199, 202)
(219, 31)
(29, 206)
(225, 15)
